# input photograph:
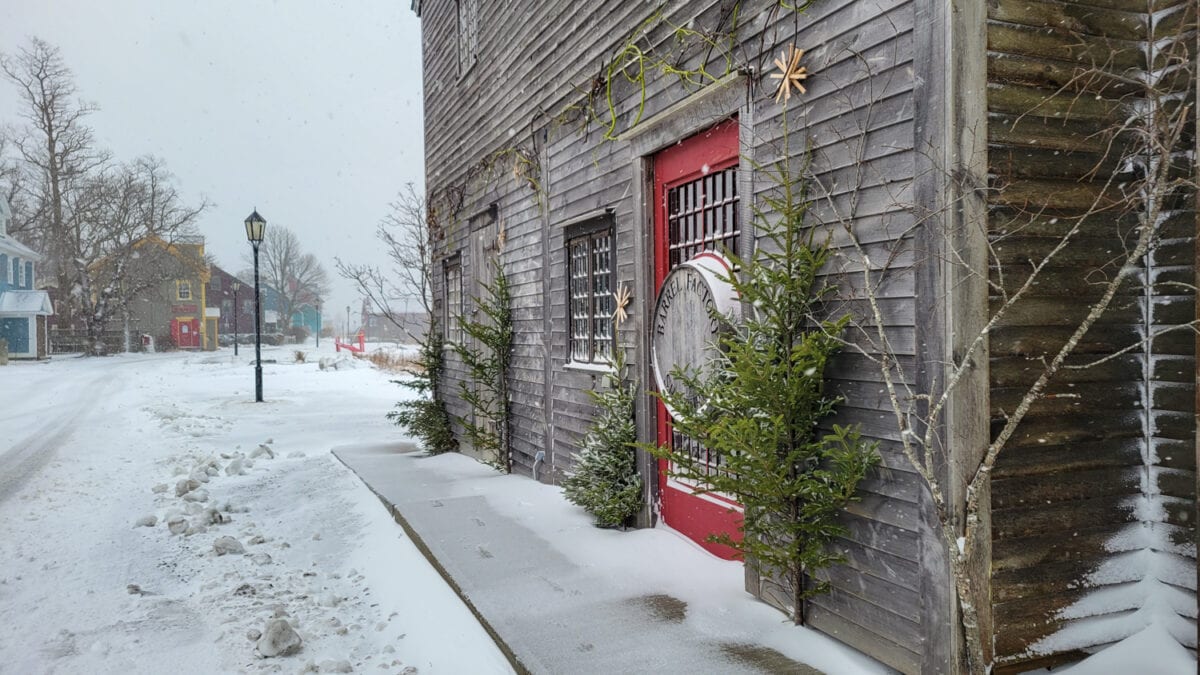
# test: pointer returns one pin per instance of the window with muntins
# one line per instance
(183, 290)
(454, 302)
(590, 291)
(702, 215)
(468, 33)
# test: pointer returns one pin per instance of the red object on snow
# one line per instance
(361, 347)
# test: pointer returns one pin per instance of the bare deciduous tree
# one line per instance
(297, 277)
(57, 152)
(126, 224)
(407, 242)
(1145, 171)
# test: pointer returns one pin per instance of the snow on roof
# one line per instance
(25, 302)
(14, 247)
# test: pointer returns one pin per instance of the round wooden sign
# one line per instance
(684, 331)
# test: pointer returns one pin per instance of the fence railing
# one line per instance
(76, 341)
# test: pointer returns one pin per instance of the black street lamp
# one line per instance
(347, 323)
(237, 286)
(255, 228)
(318, 322)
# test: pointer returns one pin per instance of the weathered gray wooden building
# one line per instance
(949, 148)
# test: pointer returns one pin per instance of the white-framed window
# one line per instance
(183, 289)
(590, 300)
(454, 301)
(467, 20)
(18, 276)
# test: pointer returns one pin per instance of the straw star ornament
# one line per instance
(790, 74)
(622, 297)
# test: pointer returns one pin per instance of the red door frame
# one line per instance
(715, 149)
(188, 340)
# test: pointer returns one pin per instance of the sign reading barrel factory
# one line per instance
(684, 330)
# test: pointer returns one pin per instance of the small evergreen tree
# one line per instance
(605, 481)
(486, 353)
(760, 405)
(426, 417)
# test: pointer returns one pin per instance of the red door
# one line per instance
(696, 209)
(186, 333)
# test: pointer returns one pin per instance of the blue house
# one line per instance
(307, 315)
(23, 310)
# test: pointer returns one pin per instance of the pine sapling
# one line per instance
(605, 481)
(486, 352)
(425, 416)
(760, 406)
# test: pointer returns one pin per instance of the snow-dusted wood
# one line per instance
(1071, 477)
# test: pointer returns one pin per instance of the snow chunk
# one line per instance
(224, 545)
(196, 496)
(185, 486)
(235, 468)
(215, 517)
(336, 667)
(160, 488)
(278, 639)
(177, 525)
(262, 450)
(146, 521)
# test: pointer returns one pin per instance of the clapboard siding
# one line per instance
(1071, 480)
(862, 131)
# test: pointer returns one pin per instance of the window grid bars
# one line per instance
(702, 215)
(591, 299)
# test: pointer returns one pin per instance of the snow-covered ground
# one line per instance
(90, 448)
(93, 450)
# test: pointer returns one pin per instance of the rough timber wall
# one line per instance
(1093, 500)
(858, 113)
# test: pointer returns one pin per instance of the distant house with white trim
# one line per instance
(23, 310)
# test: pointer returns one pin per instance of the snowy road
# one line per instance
(90, 447)
(58, 420)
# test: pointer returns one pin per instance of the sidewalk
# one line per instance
(560, 596)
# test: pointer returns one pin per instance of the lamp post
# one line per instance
(255, 228)
(237, 286)
(347, 323)
(318, 323)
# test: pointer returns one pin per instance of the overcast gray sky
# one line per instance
(309, 110)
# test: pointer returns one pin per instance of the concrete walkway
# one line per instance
(547, 612)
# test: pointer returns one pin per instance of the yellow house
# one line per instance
(169, 306)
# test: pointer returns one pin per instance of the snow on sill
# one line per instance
(600, 368)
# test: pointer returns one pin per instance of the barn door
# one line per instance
(485, 245)
(696, 209)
